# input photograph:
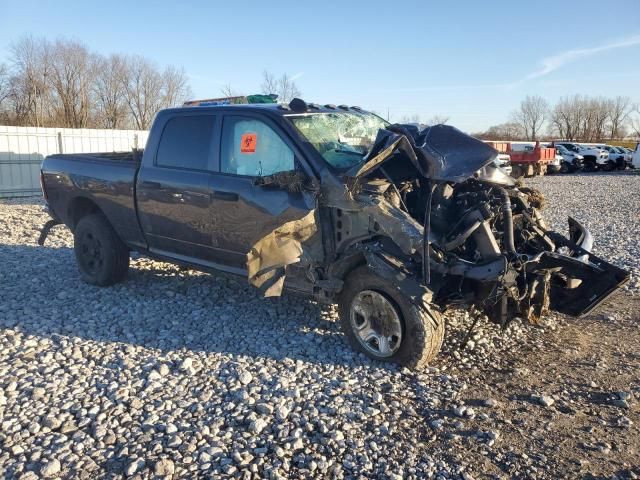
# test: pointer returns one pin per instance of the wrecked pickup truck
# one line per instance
(335, 203)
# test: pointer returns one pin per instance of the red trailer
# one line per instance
(528, 162)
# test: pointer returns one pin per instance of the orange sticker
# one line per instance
(248, 143)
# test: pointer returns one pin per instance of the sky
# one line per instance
(471, 61)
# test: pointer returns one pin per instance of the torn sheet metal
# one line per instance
(394, 223)
(268, 258)
(440, 152)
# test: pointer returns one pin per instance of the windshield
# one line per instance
(342, 138)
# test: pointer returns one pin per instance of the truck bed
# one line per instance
(106, 180)
(133, 156)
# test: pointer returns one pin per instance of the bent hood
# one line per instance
(440, 152)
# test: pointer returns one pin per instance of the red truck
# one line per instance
(528, 161)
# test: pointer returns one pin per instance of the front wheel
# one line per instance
(101, 256)
(385, 324)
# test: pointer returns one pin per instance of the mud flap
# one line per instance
(578, 285)
(44, 233)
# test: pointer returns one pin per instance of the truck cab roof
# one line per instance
(296, 106)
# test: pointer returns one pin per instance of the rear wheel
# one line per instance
(609, 166)
(517, 171)
(102, 258)
(385, 324)
(564, 168)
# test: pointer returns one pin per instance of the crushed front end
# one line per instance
(431, 211)
(462, 228)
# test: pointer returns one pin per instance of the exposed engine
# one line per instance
(485, 244)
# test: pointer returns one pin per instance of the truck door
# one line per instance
(174, 192)
(243, 211)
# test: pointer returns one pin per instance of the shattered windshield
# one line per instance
(342, 138)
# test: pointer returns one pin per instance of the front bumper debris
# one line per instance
(580, 281)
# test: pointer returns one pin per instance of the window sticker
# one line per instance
(248, 143)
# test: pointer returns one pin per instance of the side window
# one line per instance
(186, 142)
(251, 147)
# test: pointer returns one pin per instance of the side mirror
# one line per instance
(291, 181)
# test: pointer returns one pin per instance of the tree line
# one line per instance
(62, 83)
(578, 118)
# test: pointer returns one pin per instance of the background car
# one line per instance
(503, 160)
(593, 158)
(617, 157)
(635, 160)
(571, 161)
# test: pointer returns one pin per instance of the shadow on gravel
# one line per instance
(167, 309)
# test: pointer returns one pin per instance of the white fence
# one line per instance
(22, 150)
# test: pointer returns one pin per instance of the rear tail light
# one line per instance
(44, 192)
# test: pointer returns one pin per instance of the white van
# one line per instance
(635, 160)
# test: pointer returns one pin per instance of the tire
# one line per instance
(589, 166)
(102, 258)
(609, 166)
(517, 172)
(421, 327)
(564, 168)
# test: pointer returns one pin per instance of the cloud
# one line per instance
(548, 65)
(296, 76)
(554, 62)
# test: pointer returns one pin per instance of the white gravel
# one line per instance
(181, 373)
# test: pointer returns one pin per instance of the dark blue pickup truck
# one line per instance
(395, 225)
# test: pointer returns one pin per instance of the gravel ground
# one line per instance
(183, 374)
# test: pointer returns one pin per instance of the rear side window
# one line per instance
(186, 142)
(251, 147)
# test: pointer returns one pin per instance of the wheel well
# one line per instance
(341, 268)
(81, 207)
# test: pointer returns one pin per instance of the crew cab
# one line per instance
(571, 161)
(334, 203)
(617, 158)
(593, 158)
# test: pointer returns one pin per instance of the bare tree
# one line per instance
(109, 92)
(269, 83)
(285, 87)
(143, 86)
(567, 116)
(582, 118)
(228, 91)
(619, 109)
(288, 89)
(30, 63)
(5, 93)
(413, 118)
(531, 116)
(5, 84)
(72, 75)
(438, 119)
(508, 131)
(175, 85)
(634, 121)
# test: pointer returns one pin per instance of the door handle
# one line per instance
(228, 196)
(151, 185)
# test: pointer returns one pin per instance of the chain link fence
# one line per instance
(22, 150)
